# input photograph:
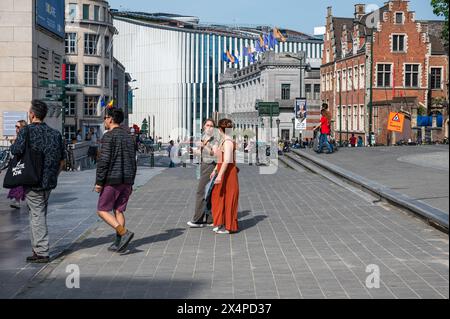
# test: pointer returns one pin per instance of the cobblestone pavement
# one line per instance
(300, 237)
(72, 211)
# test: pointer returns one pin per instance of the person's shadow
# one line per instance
(250, 222)
(132, 247)
(169, 234)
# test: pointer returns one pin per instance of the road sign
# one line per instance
(50, 83)
(268, 108)
(395, 122)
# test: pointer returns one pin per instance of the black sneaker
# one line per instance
(125, 240)
(38, 259)
(115, 244)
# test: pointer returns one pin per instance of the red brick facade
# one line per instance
(405, 55)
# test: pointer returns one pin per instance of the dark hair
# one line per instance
(39, 109)
(225, 124)
(324, 106)
(116, 114)
(209, 120)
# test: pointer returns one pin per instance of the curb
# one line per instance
(423, 210)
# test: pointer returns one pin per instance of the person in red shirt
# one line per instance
(353, 140)
(324, 131)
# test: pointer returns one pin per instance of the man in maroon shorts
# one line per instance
(116, 170)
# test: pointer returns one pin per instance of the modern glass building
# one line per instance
(176, 63)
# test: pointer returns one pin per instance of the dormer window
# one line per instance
(399, 18)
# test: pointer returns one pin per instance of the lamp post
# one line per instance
(293, 127)
(306, 67)
(278, 128)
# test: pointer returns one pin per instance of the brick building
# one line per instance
(409, 75)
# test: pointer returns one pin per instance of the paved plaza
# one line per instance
(300, 236)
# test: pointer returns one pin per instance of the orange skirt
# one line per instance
(225, 199)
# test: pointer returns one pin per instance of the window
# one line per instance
(85, 12)
(355, 117)
(107, 76)
(107, 49)
(104, 15)
(316, 91)
(91, 44)
(69, 132)
(57, 66)
(383, 75)
(71, 105)
(361, 118)
(338, 81)
(96, 13)
(411, 75)
(344, 80)
(399, 17)
(436, 78)
(71, 43)
(361, 77)
(308, 88)
(90, 105)
(398, 43)
(73, 14)
(350, 80)
(355, 78)
(91, 75)
(285, 91)
(324, 81)
(71, 73)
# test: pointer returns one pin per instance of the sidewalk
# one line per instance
(300, 237)
(72, 211)
(420, 172)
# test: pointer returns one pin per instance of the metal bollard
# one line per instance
(152, 159)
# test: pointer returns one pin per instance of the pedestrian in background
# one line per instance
(49, 143)
(17, 194)
(172, 152)
(79, 136)
(360, 142)
(225, 195)
(207, 164)
(324, 127)
(116, 171)
(353, 140)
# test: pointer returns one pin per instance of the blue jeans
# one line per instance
(323, 139)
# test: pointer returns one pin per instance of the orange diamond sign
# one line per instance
(395, 122)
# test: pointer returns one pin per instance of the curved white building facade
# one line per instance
(177, 69)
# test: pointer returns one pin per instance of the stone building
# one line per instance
(31, 50)
(274, 78)
(89, 69)
(409, 71)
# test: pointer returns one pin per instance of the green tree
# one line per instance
(144, 127)
(440, 8)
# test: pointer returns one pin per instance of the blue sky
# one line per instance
(299, 15)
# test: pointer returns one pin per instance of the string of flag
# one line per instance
(263, 43)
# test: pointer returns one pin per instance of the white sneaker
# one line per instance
(195, 225)
(216, 229)
(223, 231)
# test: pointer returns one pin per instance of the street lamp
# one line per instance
(278, 127)
(293, 127)
(306, 67)
(371, 78)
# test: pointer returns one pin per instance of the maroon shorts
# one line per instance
(114, 197)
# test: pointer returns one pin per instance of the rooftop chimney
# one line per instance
(360, 10)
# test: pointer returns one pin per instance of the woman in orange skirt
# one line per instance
(225, 194)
